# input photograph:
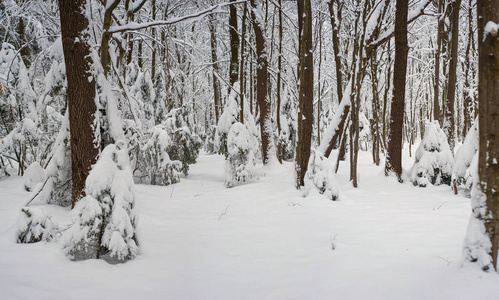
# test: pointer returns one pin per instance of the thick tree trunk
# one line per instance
(261, 84)
(440, 32)
(234, 46)
(80, 93)
(306, 93)
(216, 84)
(448, 125)
(394, 153)
(488, 157)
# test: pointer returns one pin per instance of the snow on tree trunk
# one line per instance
(239, 161)
(105, 220)
(434, 161)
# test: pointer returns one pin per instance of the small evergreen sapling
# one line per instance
(320, 175)
(34, 225)
(434, 160)
(466, 161)
(239, 160)
(105, 220)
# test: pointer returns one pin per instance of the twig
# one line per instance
(224, 213)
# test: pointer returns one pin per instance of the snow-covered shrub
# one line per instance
(185, 143)
(466, 158)
(33, 175)
(209, 144)
(289, 126)
(434, 160)
(57, 185)
(320, 175)
(229, 116)
(34, 225)
(239, 159)
(154, 163)
(105, 220)
(145, 95)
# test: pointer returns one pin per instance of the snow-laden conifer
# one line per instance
(239, 159)
(466, 160)
(34, 225)
(320, 176)
(105, 219)
(434, 160)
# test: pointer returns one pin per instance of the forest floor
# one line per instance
(262, 240)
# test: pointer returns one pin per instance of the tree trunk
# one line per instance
(448, 125)
(278, 92)
(80, 93)
(261, 84)
(234, 46)
(440, 32)
(394, 153)
(306, 93)
(216, 84)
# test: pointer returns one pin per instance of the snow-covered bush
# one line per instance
(229, 116)
(33, 175)
(209, 144)
(185, 143)
(34, 225)
(145, 95)
(289, 126)
(434, 160)
(466, 159)
(320, 175)
(154, 163)
(239, 159)
(105, 220)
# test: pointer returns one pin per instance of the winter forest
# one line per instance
(249, 149)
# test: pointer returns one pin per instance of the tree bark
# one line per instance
(80, 93)
(261, 83)
(488, 95)
(394, 153)
(448, 125)
(306, 93)
(234, 46)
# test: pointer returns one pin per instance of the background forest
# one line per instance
(298, 101)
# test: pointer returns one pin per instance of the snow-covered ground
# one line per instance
(262, 240)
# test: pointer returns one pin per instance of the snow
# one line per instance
(262, 240)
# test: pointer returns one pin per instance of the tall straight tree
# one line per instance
(261, 79)
(80, 92)
(448, 125)
(394, 149)
(482, 240)
(306, 92)
(234, 46)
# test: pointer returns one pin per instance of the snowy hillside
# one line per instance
(262, 240)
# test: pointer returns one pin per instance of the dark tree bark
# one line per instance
(448, 125)
(306, 93)
(261, 83)
(394, 153)
(216, 84)
(241, 65)
(80, 93)
(440, 32)
(234, 46)
(488, 157)
(278, 92)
